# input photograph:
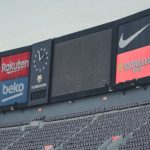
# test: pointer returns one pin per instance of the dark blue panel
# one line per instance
(13, 91)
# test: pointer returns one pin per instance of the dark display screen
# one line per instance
(82, 63)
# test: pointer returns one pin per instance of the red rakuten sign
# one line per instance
(14, 66)
(133, 64)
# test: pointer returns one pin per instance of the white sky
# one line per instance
(24, 22)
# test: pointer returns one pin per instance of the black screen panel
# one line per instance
(82, 64)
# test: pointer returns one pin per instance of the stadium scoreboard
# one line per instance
(105, 58)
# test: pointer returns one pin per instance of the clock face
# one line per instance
(40, 60)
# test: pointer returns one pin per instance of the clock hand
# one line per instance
(39, 55)
(41, 58)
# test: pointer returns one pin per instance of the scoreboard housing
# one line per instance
(102, 59)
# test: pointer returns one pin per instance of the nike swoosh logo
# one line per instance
(123, 43)
(11, 97)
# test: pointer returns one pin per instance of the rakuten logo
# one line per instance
(15, 66)
(16, 89)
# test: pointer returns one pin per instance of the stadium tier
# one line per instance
(125, 127)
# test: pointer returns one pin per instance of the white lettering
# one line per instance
(39, 86)
(133, 65)
(15, 66)
(15, 88)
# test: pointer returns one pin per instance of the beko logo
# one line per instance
(124, 42)
(15, 88)
(135, 65)
(15, 66)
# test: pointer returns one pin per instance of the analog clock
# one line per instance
(40, 60)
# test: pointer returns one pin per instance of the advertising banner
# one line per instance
(134, 34)
(13, 91)
(14, 66)
(133, 64)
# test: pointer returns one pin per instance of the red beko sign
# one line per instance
(133, 64)
(14, 66)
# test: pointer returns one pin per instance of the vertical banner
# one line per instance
(39, 73)
(14, 71)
